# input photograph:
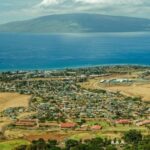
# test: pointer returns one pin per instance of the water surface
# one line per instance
(25, 51)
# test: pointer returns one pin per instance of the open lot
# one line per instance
(61, 136)
(137, 90)
(108, 131)
(8, 100)
(134, 90)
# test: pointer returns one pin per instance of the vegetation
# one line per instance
(133, 137)
(134, 140)
(9, 145)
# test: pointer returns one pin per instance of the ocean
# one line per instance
(58, 51)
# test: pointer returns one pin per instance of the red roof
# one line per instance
(123, 121)
(68, 125)
(96, 127)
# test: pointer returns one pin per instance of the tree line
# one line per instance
(134, 140)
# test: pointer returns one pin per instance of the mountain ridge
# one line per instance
(78, 23)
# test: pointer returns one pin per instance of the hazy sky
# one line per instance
(11, 10)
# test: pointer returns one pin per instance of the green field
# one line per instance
(10, 145)
(108, 131)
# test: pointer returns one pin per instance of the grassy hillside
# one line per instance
(9, 145)
(75, 23)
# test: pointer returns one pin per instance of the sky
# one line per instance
(13, 10)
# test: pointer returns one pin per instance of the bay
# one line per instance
(57, 51)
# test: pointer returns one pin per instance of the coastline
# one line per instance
(75, 67)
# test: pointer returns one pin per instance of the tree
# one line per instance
(81, 121)
(81, 147)
(128, 147)
(95, 144)
(107, 141)
(97, 141)
(111, 147)
(54, 148)
(132, 136)
(21, 147)
(52, 142)
(145, 143)
(38, 145)
(71, 143)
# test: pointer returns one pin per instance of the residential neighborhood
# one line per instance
(72, 103)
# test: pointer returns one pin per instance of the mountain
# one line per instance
(80, 22)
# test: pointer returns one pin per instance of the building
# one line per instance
(123, 121)
(26, 122)
(145, 122)
(68, 125)
(96, 127)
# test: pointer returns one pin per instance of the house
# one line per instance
(112, 142)
(123, 121)
(145, 122)
(68, 125)
(122, 142)
(102, 81)
(96, 127)
(117, 142)
(26, 122)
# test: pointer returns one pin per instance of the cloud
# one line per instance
(102, 2)
(88, 1)
(20, 10)
(110, 7)
(49, 2)
(111, 1)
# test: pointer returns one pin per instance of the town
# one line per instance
(73, 101)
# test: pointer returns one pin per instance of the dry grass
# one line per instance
(4, 120)
(8, 100)
(95, 82)
(136, 90)
(70, 134)
(26, 114)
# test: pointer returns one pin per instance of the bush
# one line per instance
(111, 147)
(132, 136)
(71, 143)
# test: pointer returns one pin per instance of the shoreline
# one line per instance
(74, 67)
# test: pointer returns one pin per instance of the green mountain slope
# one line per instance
(74, 23)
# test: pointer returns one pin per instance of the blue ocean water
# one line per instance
(34, 51)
